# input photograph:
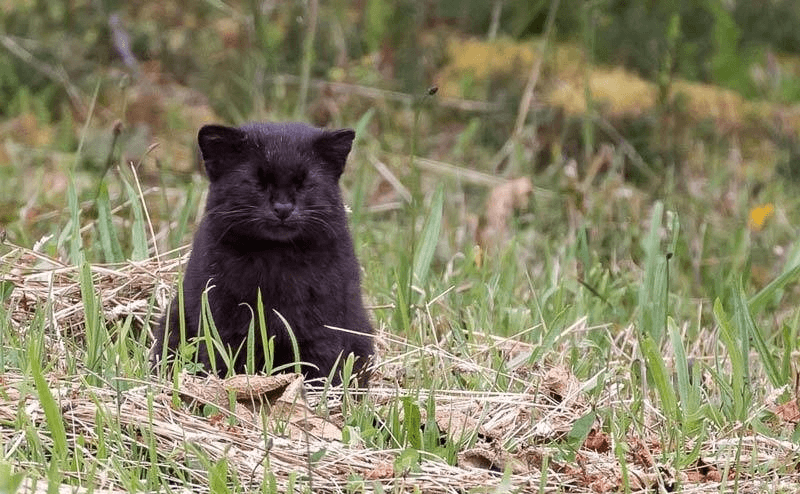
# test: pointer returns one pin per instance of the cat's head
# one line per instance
(275, 182)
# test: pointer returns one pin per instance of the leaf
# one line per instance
(6, 288)
(688, 401)
(95, 340)
(316, 456)
(406, 460)
(430, 237)
(580, 430)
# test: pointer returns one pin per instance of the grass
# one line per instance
(551, 361)
(614, 338)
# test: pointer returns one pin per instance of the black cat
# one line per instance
(274, 222)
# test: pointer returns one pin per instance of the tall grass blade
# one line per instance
(744, 318)
(758, 301)
(138, 228)
(52, 412)
(267, 344)
(738, 374)
(76, 254)
(293, 339)
(210, 335)
(652, 292)
(430, 237)
(94, 327)
(250, 344)
(362, 123)
(687, 391)
(112, 250)
(658, 371)
(190, 204)
(402, 311)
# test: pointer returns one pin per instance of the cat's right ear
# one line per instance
(220, 145)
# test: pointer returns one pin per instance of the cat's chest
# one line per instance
(289, 277)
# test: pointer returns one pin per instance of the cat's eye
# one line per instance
(298, 181)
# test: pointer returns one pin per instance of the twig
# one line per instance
(626, 146)
(527, 96)
(390, 177)
(497, 9)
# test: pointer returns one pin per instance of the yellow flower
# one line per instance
(759, 216)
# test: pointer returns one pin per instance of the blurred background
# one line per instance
(593, 110)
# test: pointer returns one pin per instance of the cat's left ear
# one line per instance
(220, 146)
(334, 146)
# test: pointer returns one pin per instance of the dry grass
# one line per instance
(505, 438)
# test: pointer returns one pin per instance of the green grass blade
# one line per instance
(402, 312)
(652, 316)
(362, 123)
(10, 482)
(687, 390)
(218, 477)
(658, 371)
(76, 242)
(189, 206)
(52, 412)
(758, 301)
(95, 340)
(743, 317)
(293, 339)
(430, 237)
(112, 250)
(250, 363)
(138, 228)
(738, 364)
(267, 344)
(681, 366)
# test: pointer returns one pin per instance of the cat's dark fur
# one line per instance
(274, 222)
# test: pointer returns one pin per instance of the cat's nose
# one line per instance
(283, 209)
